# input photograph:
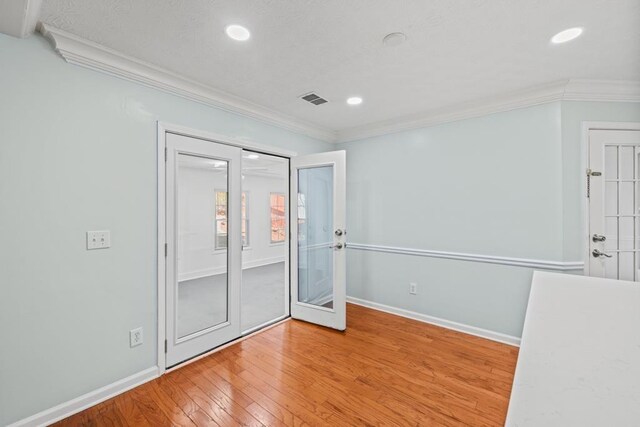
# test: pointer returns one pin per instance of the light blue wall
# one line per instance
(507, 184)
(574, 162)
(482, 185)
(78, 153)
(489, 185)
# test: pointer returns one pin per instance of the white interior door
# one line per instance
(204, 244)
(318, 255)
(614, 204)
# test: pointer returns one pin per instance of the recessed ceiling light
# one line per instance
(238, 32)
(566, 35)
(354, 100)
(252, 156)
(394, 39)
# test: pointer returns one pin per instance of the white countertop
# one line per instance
(579, 361)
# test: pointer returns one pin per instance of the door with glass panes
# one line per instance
(234, 262)
(614, 204)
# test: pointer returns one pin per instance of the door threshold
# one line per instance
(228, 344)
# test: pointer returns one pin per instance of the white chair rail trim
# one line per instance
(487, 259)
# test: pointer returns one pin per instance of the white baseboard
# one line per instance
(460, 327)
(63, 410)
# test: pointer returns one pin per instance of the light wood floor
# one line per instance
(384, 370)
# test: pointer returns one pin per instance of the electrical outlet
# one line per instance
(135, 337)
(98, 239)
(413, 288)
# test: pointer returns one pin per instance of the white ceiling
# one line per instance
(456, 51)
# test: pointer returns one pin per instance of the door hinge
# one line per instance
(591, 173)
(166, 250)
(165, 346)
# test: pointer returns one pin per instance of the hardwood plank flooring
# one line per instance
(384, 370)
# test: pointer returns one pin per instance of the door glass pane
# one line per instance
(202, 206)
(265, 283)
(626, 162)
(626, 198)
(611, 162)
(315, 236)
(611, 198)
(626, 266)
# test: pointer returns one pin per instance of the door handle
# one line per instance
(340, 232)
(598, 238)
(339, 246)
(596, 253)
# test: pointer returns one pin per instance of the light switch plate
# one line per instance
(98, 239)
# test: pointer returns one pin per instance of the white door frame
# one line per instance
(163, 129)
(586, 128)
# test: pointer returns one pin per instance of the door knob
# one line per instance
(598, 238)
(339, 246)
(340, 232)
(596, 253)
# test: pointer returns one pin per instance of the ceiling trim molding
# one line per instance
(563, 90)
(79, 51)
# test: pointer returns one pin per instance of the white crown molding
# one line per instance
(602, 90)
(564, 90)
(79, 51)
(487, 259)
(437, 321)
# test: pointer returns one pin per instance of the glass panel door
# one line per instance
(315, 236)
(614, 205)
(202, 279)
(319, 237)
(265, 258)
(204, 243)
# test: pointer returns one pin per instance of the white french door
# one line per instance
(614, 204)
(203, 181)
(318, 255)
(210, 191)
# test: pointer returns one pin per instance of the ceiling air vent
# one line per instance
(314, 99)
